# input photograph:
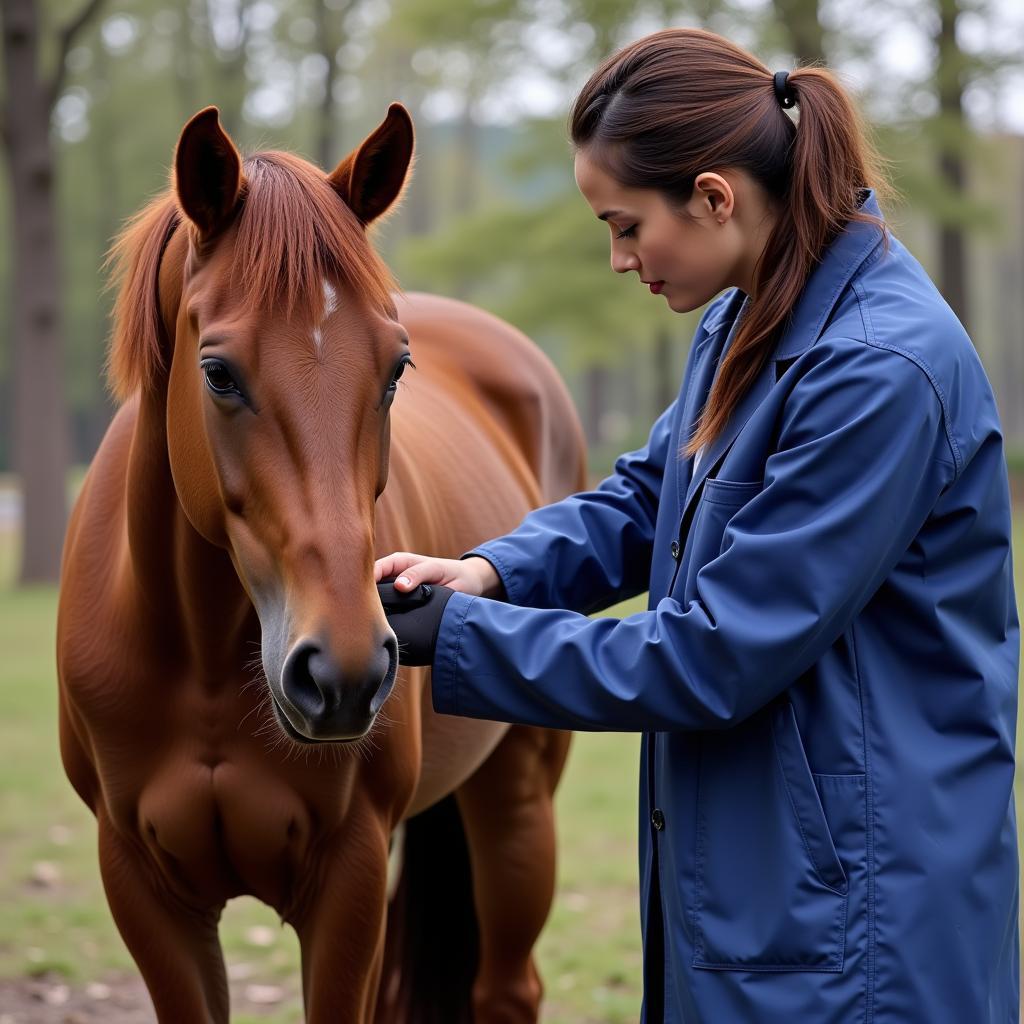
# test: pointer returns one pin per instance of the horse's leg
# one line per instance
(176, 947)
(508, 816)
(341, 927)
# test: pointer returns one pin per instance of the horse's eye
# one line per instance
(218, 378)
(399, 370)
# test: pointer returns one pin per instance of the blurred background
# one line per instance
(93, 96)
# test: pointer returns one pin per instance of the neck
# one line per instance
(762, 224)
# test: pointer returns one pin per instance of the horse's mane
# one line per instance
(293, 230)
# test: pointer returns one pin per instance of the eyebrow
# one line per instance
(608, 213)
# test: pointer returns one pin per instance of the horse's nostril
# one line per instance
(329, 702)
(307, 681)
(387, 663)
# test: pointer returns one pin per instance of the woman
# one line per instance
(826, 676)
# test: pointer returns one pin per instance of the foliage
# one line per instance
(492, 213)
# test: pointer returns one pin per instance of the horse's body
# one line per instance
(180, 582)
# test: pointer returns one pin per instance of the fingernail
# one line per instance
(404, 580)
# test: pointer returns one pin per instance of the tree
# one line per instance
(40, 414)
(952, 134)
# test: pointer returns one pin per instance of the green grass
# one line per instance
(589, 953)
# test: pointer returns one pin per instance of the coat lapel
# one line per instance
(704, 375)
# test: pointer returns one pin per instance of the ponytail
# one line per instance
(682, 101)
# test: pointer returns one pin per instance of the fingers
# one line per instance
(394, 564)
(410, 569)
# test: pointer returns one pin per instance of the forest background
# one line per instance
(95, 93)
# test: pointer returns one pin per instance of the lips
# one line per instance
(655, 286)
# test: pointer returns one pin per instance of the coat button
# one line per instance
(675, 550)
(657, 819)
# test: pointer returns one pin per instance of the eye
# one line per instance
(218, 378)
(399, 370)
(629, 232)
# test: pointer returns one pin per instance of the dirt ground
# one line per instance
(118, 999)
(51, 1000)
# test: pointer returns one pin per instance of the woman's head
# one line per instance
(682, 131)
(687, 251)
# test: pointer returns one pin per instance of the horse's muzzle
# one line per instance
(323, 703)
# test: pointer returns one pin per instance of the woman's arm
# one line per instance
(862, 457)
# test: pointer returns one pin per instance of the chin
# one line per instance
(683, 303)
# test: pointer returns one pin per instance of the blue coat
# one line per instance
(826, 677)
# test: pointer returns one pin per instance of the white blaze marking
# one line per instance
(330, 305)
(330, 299)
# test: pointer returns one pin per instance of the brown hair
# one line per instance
(293, 230)
(682, 101)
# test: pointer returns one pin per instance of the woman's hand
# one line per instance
(472, 575)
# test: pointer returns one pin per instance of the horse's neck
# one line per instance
(191, 583)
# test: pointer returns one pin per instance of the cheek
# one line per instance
(256, 567)
(384, 459)
(192, 465)
(673, 256)
(693, 264)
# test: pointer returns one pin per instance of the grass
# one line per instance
(589, 953)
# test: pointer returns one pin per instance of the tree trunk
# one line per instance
(467, 174)
(328, 140)
(597, 402)
(1009, 380)
(666, 384)
(230, 61)
(186, 66)
(800, 19)
(466, 178)
(90, 424)
(40, 415)
(952, 165)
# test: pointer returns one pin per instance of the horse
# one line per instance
(233, 707)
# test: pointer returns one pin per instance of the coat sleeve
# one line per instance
(861, 458)
(591, 549)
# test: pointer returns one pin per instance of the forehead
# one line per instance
(222, 282)
(603, 192)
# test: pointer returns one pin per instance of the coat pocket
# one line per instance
(771, 890)
(719, 502)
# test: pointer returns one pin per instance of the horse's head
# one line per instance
(285, 360)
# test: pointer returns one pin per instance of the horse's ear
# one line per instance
(207, 173)
(371, 177)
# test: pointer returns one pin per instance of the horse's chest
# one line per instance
(225, 829)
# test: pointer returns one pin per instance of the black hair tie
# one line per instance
(783, 93)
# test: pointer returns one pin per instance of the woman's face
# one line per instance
(689, 261)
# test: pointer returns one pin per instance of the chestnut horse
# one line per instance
(235, 507)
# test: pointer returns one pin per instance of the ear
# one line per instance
(371, 177)
(715, 195)
(207, 173)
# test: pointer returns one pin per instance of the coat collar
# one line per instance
(828, 281)
(825, 285)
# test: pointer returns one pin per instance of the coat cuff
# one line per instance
(445, 669)
(492, 551)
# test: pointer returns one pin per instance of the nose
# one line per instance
(623, 262)
(322, 701)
